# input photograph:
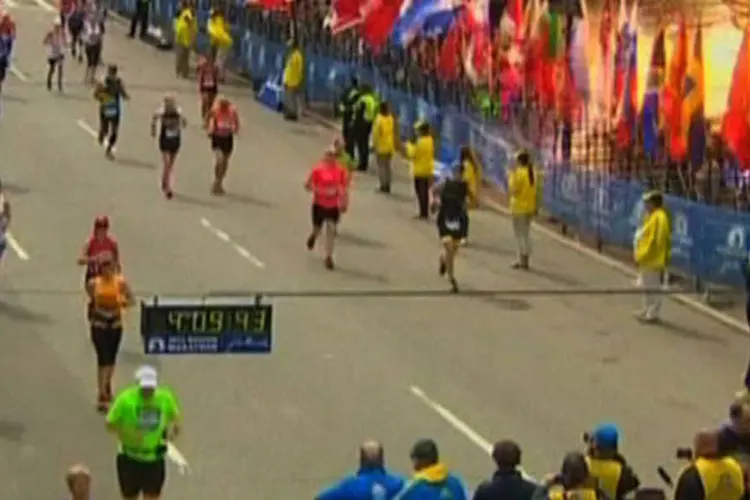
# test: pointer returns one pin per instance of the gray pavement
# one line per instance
(538, 368)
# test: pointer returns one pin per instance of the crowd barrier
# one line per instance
(708, 243)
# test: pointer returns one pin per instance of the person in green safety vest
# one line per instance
(365, 112)
(346, 110)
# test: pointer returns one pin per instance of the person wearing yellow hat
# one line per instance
(651, 252)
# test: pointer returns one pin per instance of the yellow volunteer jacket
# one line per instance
(653, 241)
(607, 474)
(523, 194)
(722, 478)
(383, 134)
(218, 32)
(472, 177)
(294, 69)
(422, 156)
(185, 29)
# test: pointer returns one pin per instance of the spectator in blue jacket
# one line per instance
(371, 482)
(431, 480)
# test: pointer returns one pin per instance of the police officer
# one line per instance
(346, 109)
(614, 476)
(710, 476)
(365, 111)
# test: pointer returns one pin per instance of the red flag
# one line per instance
(449, 58)
(379, 20)
(346, 14)
(515, 13)
(672, 95)
(736, 125)
(271, 4)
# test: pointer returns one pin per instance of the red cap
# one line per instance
(101, 222)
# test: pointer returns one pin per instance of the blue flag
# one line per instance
(424, 17)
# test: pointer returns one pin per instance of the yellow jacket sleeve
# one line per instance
(294, 69)
(218, 32)
(645, 240)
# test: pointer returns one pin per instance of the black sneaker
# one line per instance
(454, 285)
(329, 263)
(310, 242)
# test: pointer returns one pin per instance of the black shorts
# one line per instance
(209, 93)
(106, 342)
(136, 477)
(109, 122)
(321, 214)
(3, 69)
(452, 226)
(93, 55)
(55, 60)
(223, 143)
(169, 145)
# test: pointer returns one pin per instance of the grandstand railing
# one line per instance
(597, 192)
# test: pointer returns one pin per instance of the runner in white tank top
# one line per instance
(56, 44)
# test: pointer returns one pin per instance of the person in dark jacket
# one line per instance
(371, 482)
(508, 482)
(573, 482)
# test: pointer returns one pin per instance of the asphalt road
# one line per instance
(539, 368)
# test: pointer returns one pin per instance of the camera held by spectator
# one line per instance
(710, 475)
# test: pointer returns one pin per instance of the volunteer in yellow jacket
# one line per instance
(473, 177)
(294, 72)
(220, 38)
(384, 143)
(421, 154)
(185, 30)
(652, 242)
(523, 191)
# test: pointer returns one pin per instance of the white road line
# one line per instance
(88, 129)
(11, 4)
(176, 457)
(223, 236)
(616, 265)
(625, 269)
(46, 6)
(19, 74)
(458, 424)
(16, 247)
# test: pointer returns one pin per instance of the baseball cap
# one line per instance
(147, 377)
(606, 436)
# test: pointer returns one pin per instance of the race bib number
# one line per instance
(452, 224)
(110, 111)
(149, 419)
(172, 133)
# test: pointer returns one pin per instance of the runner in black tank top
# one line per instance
(171, 121)
(451, 220)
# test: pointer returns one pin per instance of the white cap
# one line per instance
(147, 377)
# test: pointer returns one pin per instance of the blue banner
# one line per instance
(709, 243)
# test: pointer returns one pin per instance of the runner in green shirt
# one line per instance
(145, 417)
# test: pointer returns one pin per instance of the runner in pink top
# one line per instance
(328, 183)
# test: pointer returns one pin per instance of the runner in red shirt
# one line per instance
(99, 247)
(208, 86)
(328, 183)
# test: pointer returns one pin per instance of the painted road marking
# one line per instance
(601, 258)
(90, 131)
(458, 424)
(19, 74)
(16, 247)
(46, 6)
(223, 236)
